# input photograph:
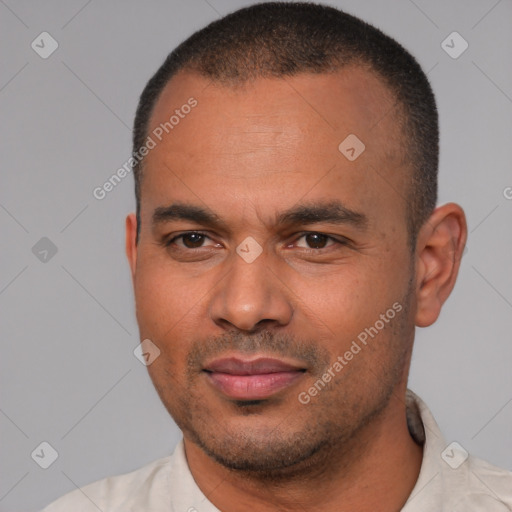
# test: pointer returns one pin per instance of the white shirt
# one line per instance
(449, 480)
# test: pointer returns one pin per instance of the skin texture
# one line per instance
(247, 153)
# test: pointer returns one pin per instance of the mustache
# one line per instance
(311, 353)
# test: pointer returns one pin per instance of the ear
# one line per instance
(130, 243)
(439, 249)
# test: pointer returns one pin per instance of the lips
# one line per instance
(251, 379)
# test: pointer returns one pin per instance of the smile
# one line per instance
(251, 380)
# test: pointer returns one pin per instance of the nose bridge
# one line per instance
(249, 293)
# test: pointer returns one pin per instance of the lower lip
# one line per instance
(253, 387)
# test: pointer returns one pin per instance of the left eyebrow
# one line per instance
(332, 212)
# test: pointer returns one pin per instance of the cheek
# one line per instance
(163, 309)
(162, 301)
(340, 303)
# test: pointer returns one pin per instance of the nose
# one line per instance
(250, 297)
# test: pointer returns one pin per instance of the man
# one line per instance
(285, 245)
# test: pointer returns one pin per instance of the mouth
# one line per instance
(254, 379)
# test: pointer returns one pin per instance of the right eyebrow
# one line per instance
(182, 211)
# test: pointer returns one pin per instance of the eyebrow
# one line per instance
(332, 212)
(184, 211)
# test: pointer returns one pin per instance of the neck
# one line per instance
(377, 471)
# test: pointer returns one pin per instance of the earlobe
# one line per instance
(131, 242)
(439, 250)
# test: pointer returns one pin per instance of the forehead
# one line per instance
(352, 97)
(278, 137)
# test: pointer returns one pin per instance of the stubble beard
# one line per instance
(318, 435)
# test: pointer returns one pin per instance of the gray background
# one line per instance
(68, 373)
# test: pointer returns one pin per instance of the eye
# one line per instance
(317, 241)
(189, 240)
(312, 241)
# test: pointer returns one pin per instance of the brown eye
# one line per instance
(316, 240)
(192, 240)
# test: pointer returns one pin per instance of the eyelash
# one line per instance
(340, 242)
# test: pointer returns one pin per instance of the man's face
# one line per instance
(279, 275)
